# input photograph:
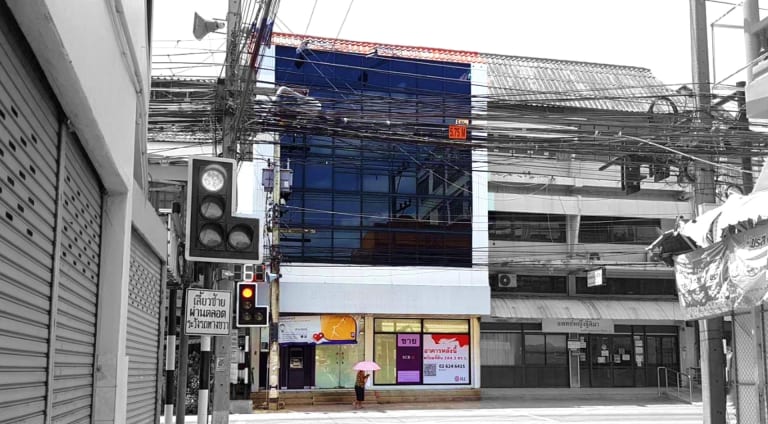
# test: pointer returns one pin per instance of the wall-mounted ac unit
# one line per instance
(507, 280)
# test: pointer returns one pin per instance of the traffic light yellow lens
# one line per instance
(213, 177)
(240, 237)
(210, 235)
(211, 208)
(247, 293)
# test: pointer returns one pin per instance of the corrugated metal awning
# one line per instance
(631, 310)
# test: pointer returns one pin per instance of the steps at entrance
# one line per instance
(372, 396)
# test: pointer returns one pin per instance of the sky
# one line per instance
(653, 34)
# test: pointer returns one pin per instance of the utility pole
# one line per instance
(225, 90)
(710, 330)
(274, 288)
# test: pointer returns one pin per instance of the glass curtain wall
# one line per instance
(376, 180)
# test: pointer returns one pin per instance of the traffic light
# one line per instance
(214, 233)
(249, 314)
(630, 175)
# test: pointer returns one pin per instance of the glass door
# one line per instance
(334, 364)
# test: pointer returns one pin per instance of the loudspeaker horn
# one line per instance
(203, 27)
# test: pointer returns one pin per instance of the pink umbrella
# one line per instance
(366, 366)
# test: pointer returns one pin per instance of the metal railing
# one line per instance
(681, 381)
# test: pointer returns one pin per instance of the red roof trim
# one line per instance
(364, 47)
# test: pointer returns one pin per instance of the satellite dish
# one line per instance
(203, 27)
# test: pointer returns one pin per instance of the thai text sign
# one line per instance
(446, 359)
(575, 325)
(208, 312)
(318, 329)
(408, 358)
(726, 276)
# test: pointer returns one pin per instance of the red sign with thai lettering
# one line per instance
(457, 132)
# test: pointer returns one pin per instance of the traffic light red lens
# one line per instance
(240, 237)
(247, 292)
(212, 208)
(211, 235)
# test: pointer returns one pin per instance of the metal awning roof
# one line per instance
(633, 310)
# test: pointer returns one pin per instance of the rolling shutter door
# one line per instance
(143, 335)
(76, 308)
(28, 164)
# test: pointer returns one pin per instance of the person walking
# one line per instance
(360, 380)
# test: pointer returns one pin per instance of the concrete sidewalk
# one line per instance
(529, 398)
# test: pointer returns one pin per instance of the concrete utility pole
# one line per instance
(710, 330)
(274, 289)
(223, 344)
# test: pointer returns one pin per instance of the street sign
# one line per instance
(595, 277)
(209, 312)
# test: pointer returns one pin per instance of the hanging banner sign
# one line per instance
(208, 312)
(724, 277)
(446, 359)
(317, 329)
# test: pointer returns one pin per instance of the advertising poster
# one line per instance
(446, 358)
(317, 329)
(408, 358)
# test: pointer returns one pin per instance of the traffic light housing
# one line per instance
(630, 175)
(249, 314)
(214, 233)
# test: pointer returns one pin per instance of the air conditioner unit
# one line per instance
(507, 280)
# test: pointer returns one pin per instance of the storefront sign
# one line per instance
(446, 358)
(723, 277)
(570, 325)
(408, 358)
(318, 329)
(208, 312)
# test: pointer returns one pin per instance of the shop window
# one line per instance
(446, 326)
(535, 349)
(501, 349)
(610, 229)
(397, 325)
(629, 286)
(385, 354)
(508, 226)
(438, 355)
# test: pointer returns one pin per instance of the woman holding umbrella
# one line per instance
(360, 380)
(362, 377)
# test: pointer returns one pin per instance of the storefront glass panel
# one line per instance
(385, 354)
(334, 365)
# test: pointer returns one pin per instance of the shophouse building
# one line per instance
(383, 237)
(564, 208)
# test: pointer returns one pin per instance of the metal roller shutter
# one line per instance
(28, 164)
(143, 335)
(72, 395)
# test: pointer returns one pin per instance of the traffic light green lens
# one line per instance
(211, 208)
(240, 237)
(211, 235)
(213, 177)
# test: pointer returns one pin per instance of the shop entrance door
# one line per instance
(611, 361)
(334, 365)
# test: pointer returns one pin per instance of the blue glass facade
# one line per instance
(376, 177)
